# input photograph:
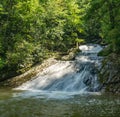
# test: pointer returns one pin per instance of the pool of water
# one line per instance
(57, 104)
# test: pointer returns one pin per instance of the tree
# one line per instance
(105, 15)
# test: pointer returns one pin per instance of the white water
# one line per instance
(69, 77)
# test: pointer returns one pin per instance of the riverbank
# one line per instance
(109, 74)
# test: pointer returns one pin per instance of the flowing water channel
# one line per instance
(23, 104)
(65, 89)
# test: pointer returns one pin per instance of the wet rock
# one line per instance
(87, 80)
(110, 73)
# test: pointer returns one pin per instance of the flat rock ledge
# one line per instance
(30, 74)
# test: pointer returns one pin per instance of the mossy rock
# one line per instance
(109, 74)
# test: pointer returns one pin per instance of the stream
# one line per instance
(23, 104)
(64, 89)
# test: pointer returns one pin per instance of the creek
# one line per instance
(64, 89)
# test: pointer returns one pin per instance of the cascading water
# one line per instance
(65, 89)
(79, 75)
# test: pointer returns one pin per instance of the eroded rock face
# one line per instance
(110, 74)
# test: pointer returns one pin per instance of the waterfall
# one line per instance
(79, 75)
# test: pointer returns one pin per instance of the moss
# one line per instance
(105, 52)
(109, 74)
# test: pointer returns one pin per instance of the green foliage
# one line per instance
(106, 51)
(103, 21)
(80, 40)
(30, 30)
(2, 63)
(21, 56)
(114, 38)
